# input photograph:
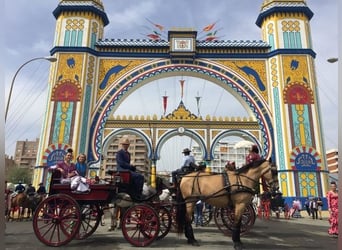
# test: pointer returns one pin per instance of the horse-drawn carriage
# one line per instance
(66, 215)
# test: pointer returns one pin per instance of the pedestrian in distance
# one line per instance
(332, 199)
(314, 208)
(199, 213)
(319, 207)
(307, 206)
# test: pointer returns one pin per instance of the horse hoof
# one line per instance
(238, 246)
(194, 243)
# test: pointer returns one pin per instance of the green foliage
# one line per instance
(16, 174)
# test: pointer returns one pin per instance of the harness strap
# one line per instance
(198, 186)
(242, 189)
(227, 186)
(226, 182)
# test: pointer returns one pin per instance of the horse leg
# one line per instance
(20, 213)
(236, 229)
(189, 232)
(112, 211)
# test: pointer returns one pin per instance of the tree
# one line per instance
(17, 173)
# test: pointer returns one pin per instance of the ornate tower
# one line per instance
(298, 138)
(79, 25)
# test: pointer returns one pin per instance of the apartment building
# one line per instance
(26, 153)
(138, 151)
(332, 160)
(225, 151)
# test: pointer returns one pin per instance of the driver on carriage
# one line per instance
(123, 160)
(187, 166)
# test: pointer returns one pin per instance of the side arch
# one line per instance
(233, 132)
(147, 141)
(193, 135)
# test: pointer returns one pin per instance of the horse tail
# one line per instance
(180, 212)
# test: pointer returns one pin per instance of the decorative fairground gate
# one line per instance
(274, 78)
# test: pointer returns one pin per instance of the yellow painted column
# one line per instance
(153, 175)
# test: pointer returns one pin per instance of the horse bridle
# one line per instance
(274, 173)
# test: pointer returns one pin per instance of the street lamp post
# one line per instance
(48, 58)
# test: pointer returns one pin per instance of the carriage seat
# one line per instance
(122, 179)
(56, 176)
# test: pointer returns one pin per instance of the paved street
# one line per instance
(301, 233)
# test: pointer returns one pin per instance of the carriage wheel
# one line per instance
(224, 219)
(165, 221)
(173, 211)
(207, 215)
(56, 220)
(90, 219)
(140, 225)
(219, 222)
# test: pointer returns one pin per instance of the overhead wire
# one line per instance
(19, 124)
(26, 104)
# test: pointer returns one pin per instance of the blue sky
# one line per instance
(29, 33)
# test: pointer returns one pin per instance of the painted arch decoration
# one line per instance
(299, 97)
(305, 159)
(54, 153)
(205, 68)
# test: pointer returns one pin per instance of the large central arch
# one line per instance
(228, 79)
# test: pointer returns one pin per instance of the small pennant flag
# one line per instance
(209, 27)
(182, 87)
(153, 36)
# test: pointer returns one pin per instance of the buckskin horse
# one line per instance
(233, 188)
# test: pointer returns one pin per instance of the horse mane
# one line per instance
(249, 165)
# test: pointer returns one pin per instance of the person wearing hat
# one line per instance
(19, 188)
(123, 160)
(31, 190)
(188, 165)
